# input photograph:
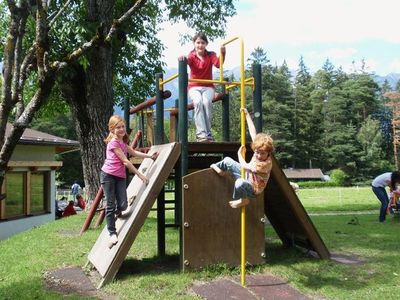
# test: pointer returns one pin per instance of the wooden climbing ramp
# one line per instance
(107, 261)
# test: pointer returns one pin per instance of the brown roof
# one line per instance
(304, 174)
(35, 137)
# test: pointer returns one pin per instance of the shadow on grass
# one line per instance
(153, 265)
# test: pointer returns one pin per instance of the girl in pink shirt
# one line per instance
(113, 175)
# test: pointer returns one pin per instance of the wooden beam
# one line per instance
(33, 163)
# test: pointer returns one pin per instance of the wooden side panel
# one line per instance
(108, 261)
(211, 228)
(288, 216)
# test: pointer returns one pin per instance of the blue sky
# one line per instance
(345, 31)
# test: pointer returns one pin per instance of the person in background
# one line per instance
(69, 210)
(201, 61)
(379, 184)
(75, 188)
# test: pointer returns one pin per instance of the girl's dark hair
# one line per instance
(394, 178)
(200, 35)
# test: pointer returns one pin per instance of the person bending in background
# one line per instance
(113, 175)
(379, 185)
(257, 171)
(201, 61)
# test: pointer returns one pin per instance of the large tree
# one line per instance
(93, 53)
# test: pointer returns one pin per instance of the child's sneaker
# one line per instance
(118, 214)
(113, 240)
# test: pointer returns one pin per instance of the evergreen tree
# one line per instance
(302, 117)
(370, 138)
(258, 56)
(397, 86)
(278, 112)
(385, 87)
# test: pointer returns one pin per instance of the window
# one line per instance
(14, 203)
(27, 194)
(38, 193)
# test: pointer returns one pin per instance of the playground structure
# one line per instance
(209, 231)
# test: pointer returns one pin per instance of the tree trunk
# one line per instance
(92, 104)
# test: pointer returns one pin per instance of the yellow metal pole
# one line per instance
(243, 142)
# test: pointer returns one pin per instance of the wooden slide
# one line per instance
(288, 216)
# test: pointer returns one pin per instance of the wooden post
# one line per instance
(150, 129)
(92, 210)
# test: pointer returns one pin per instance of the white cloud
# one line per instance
(339, 53)
(310, 21)
(296, 24)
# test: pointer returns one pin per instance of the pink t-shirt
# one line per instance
(113, 165)
(202, 69)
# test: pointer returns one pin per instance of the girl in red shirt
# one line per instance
(201, 61)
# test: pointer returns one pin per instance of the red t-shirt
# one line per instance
(202, 69)
(69, 211)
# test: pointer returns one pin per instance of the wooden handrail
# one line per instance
(149, 102)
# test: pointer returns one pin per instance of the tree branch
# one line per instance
(117, 23)
(96, 39)
(53, 19)
(41, 39)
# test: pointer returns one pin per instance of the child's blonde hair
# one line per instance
(112, 123)
(264, 142)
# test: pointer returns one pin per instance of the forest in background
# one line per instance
(329, 119)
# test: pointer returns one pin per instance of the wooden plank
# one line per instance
(108, 261)
(36, 163)
(150, 130)
(288, 216)
(172, 128)
(211, 228)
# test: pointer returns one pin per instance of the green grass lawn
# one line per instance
(339, 199)
(25, 257)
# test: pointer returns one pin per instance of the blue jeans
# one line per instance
(202, 100)
(114, 189)
(382, 196)
(243, 188)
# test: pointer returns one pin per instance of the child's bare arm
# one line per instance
(129, 165)
(243, 162)
(134, 152)
(250, 124)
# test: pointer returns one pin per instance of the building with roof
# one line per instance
(304, 174)
(29, 183)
